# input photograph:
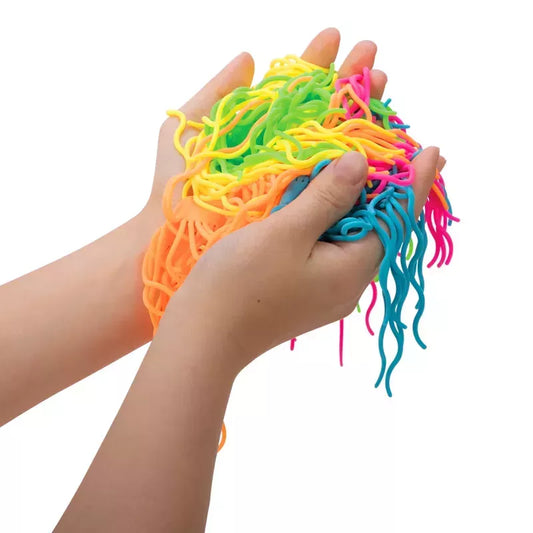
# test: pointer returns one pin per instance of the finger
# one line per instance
(322, 50)
(425, 166)
(329, 196)
(442, 162)
(237, 73)
(361, 55)
(367, 253)
(378, 80)
(338, 261)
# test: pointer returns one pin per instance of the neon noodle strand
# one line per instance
(371, 306)
(261, 146)
(341, 341)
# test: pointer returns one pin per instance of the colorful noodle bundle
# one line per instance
(259, 149)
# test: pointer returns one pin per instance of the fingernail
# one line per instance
(351, 167)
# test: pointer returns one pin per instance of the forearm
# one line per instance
(154, 469)
(66, 320)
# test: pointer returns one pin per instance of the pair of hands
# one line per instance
(273, 280)
(255, 288)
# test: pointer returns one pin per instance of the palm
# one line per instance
(322, 50)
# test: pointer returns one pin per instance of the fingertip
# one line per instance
(246, 57)
(246, 65)
(239, 72)
(378, 75)
(425, 168)
(433, 152)
(333, 33)
(323, 48)
(428, 157)
(361, 55)
(378, 81)
(352, 166)
(357, 160)
(370, 45)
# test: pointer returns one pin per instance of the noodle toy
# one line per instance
(260, 148)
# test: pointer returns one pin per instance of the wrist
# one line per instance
(202, 337)
(152, 213)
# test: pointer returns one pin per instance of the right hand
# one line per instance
(273, 280)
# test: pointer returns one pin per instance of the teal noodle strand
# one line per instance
(388, 240)
(391, 215)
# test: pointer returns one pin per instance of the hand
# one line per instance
(273, 280)
(322, 51)
(255, 288)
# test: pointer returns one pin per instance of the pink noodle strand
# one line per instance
(341, 340)
(371, 306)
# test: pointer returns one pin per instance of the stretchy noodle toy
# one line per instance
(259, 149)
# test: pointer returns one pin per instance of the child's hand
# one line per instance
(255, 288)
(272, 280)
(239, 72)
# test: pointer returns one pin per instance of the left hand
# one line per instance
(239, 72)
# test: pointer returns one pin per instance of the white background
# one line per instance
(311, 447)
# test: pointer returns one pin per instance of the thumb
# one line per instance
(328, 197)
(237, 73)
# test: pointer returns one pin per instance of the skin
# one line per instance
(154, 469)
(73, 337)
